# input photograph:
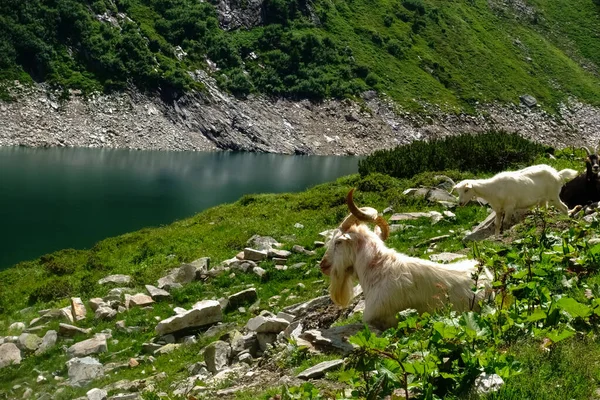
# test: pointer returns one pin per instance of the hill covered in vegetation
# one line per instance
(454, 54)
(539, 335)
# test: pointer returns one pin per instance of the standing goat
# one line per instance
(585, 188)
(392, 281)
(511, 190)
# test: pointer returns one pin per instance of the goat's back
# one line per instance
(526, 187)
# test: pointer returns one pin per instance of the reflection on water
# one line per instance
(70, 198)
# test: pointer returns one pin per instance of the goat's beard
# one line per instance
(340, 288)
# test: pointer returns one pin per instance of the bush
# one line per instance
(487, 152)
(377, 182)
(54, 289)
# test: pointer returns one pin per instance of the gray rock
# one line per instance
(81, 371)
(487, 228)
(335, 338)
(27, 393)
(116, 294)
(259, 271)
(247, 342)
(293, 330)
(29, 342)
(254, 255)
(216, 356)
(288, 317)
(410, 216)
(593, 241)
(244, 358)
(105, 313)
(186, 273)
(138, 300)
(116, 279)
(264, 339)
(95, 303)
(300, 309)
(276, 253)
(446, 257)
(150, 348)
(48, 341)
(16, 326)
(240, 298)
(9, 354)
(70, 330)
(97, 394)
(78, 309)
(203, 313)
(167, 348)
(126, 396)
(301, 250)
(156, 293)
(263, 243)
(320, 369)
(87, 347)
(528, 100)
(487, 383)
(262, 324)
(66, 314)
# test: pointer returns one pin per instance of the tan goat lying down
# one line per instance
(393, 281)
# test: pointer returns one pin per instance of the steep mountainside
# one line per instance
(454, 54)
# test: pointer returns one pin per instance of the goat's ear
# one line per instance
(344, 237)
(469, 185)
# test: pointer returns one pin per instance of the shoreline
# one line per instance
(216, 121)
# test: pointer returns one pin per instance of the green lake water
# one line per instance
(58, 198)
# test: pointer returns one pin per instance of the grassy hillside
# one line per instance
(542, 339)
(450, 53)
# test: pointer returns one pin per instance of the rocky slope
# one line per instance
(216, 121)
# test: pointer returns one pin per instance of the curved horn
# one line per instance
(385, 228)
(357, 212)
(587, 150)
(360, 215)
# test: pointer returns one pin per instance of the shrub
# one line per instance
(377, 182)
(372, 79)
(54, 289)
(487, 152)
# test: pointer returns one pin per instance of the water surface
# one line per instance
(58, 198)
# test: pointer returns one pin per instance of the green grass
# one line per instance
(452, 54)
(221, 232)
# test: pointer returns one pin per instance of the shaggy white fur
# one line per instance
(511, 190)
(393, 282)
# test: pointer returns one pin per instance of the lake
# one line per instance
(55, 198)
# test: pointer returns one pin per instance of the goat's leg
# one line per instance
(498, 221)
(560, 205)
(508, 212)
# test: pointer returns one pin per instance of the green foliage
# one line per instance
(453, 54)
(488, 152)
(54, 289)
(539, 281)
(541, 326)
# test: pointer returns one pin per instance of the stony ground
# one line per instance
(215, 120)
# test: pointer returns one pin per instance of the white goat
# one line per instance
(392, 281)
(511, 190)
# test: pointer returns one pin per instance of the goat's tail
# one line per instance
(567, 174)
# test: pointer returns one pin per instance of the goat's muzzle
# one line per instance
(325, 266)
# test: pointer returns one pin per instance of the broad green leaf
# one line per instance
(537, 315)
(573, 307)
(557, 335)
